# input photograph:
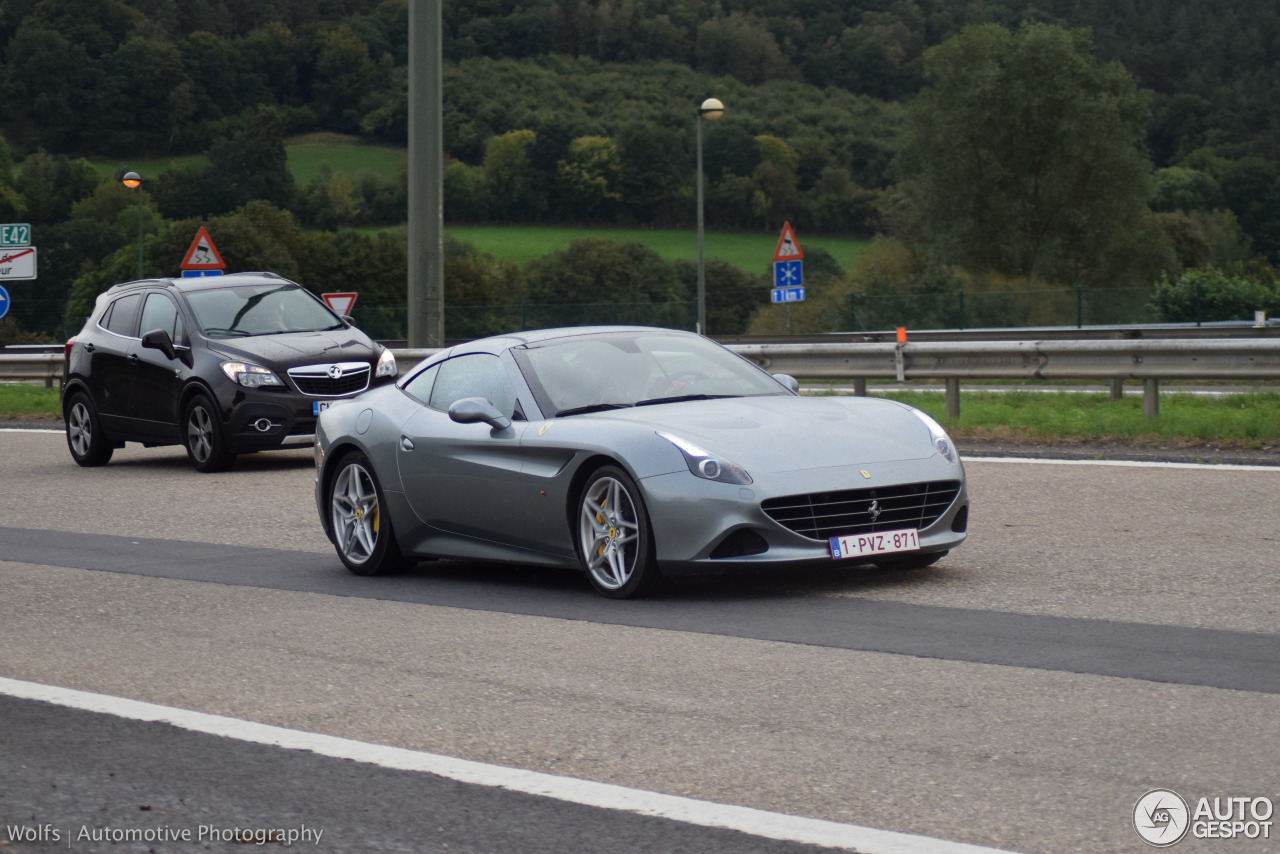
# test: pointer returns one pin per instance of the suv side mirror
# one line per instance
(158, 339)
(471, 410)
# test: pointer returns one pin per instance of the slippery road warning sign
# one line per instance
(788, 247)
(203, 255)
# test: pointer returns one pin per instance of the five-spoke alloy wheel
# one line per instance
(361, 526)
(202, 434)
(88, 444)
(614, 540)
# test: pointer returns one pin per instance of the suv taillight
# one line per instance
(66, 349)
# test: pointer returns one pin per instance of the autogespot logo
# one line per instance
(1161, 817)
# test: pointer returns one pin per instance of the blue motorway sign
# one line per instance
(787, 294)
(788, 274)
(200, 274)
(4, 302)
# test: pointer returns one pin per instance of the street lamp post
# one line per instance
(712, 109)
(133, 182)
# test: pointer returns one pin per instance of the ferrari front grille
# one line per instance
(821, 515)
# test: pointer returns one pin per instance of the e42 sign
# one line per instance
(15, 234)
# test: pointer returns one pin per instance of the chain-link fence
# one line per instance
(1003, 309)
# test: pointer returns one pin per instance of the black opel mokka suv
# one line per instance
(221, 365)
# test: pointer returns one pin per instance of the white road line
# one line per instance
(1122, 463)
(771, 825)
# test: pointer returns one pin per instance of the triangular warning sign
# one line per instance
(203, 255)
(788, 247)
(340, 303)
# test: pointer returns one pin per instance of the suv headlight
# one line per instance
(707, 465)
(250, 375)
(940, 439)
(386, 365)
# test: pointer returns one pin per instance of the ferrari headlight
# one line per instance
(386, 365)
(250, 375)
(940, 439)
(707, 465)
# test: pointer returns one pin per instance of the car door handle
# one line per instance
(133, 358)
(406, 443)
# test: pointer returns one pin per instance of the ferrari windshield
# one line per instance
(259, 310)
(586, 373)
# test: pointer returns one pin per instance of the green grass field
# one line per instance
(752, 253)
(344, 154)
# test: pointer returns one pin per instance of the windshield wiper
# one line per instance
(592, 407)
(682, 397)
(220, 331)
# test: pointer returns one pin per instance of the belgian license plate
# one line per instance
(879, 543)
(318, 406)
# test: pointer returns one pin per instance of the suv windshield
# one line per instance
(259, 310)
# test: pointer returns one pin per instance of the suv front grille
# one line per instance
(822, 515)
(320, 380)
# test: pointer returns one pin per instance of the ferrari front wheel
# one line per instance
(615, 543)
(360, 522)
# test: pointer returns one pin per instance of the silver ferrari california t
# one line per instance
(632, 453)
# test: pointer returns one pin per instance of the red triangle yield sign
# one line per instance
(203, 255)
(340, 303)
(788, 247)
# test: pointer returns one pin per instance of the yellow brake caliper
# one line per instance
(600, 519)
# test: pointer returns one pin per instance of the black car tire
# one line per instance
(358, 518)
(614, 539)
(913, 562)
(85, 439)
(202, 434)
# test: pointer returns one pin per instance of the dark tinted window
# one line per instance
(122, 313)
(476, 375)
(159, 312)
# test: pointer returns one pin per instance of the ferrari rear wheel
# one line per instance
(361, 526)
(615, 543)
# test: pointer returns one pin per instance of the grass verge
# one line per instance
(1249, 420)
(19, 401)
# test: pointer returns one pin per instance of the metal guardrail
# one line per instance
(1147, 360)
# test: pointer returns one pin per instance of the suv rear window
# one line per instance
(121, 315)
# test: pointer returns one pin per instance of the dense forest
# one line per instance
(583, 111)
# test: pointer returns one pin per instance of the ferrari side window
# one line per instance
(419, 388)
(474, 375)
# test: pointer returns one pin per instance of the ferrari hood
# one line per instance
(288, 349)
(786, 433)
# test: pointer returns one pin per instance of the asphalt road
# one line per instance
(1105, 631)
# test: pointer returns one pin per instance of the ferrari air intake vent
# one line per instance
(331, 380)
(821, 515)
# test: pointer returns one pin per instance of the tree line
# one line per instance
(864, 118)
